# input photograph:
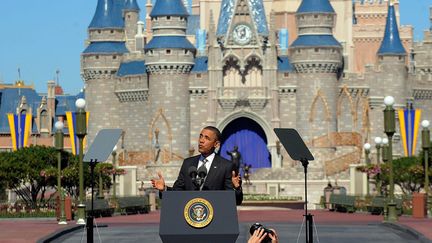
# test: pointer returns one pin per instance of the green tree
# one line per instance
(23, 172)
(408, 173)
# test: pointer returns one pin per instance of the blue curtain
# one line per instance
(250, 139)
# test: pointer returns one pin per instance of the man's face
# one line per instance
(207, 142)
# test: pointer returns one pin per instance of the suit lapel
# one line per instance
(195, 162)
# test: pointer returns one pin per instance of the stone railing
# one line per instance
(339, 139)
(335, 139)
(342, 163)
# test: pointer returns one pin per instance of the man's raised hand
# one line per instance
(158, 183)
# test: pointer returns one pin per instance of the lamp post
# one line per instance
(378, 142)
(59, 139)
(81, 131)
(389, 130)
(426, 145)
(367, 148)
(114, 153)
(384, 148)
(100, 191)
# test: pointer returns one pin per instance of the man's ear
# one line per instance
(217, 147)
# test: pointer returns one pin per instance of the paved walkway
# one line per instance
(19, 230)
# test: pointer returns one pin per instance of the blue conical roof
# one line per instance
(131, 5)
(391, 43)
(315, 6)
(169, 8)
(108, 15)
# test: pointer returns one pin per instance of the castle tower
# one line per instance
(131, 17)
(391, 61)
(169, 58)
(100, 62)
(51, 96)
(391, 74)
(316, 57)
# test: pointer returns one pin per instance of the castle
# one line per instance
(248, 66)
(245, 66)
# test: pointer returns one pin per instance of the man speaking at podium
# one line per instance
(215, 172)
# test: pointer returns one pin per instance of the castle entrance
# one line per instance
(251, 141)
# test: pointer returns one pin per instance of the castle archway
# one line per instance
(251, 140)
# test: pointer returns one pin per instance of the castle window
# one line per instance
(316, 16)
(168, 52)
(186, 52)
(316, 50)
(298, 51)
(99, 31)
(181, 18)
(198, 75)
(114, 57)
(286, 75)
(97, 57)
(128, 16)
(168, 17)
(112, 31)
(44, 120)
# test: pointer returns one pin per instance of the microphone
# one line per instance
(202, 172)
(192, 172)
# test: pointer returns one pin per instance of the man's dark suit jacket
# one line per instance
(218, 178)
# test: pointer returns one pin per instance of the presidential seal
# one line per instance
(198, 213)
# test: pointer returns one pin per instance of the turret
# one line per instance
(106, 41)
(131, 18)
(169, 52)
(316, 55)
(140, 37)
(391, 44)
(391, 62)
(315, 49)
(100, 62)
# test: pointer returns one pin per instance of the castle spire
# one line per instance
(391, 44)
(315, 21)
(169, 8)
(131, 5)
(315, 6)
(107, 15)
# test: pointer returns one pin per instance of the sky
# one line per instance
(42, 36)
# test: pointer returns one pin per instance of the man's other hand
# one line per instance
(236, 180)
(158, 183)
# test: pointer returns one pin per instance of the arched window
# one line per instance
(44, 120)
(231, 73)
(253, 72)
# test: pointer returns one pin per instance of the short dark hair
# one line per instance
(216, 132)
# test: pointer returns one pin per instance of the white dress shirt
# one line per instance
(209, 158)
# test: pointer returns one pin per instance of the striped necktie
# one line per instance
(204, 161)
